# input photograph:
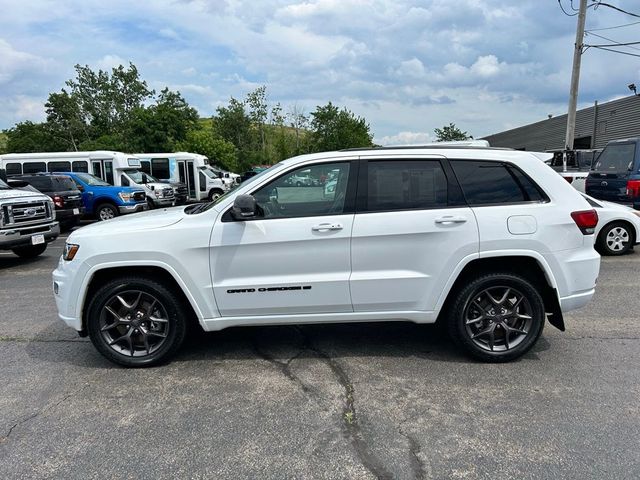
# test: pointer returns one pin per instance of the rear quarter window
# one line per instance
(495, 183)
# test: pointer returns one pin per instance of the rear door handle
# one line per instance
(450, 219)
(324, 227)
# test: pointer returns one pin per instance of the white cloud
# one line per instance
(109, 62)
(486, 66)
(406, 138)
(15, 62)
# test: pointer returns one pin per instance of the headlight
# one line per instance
(70, 250)
(124, 196)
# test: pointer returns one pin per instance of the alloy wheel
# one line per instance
(106, 214)
(134, 323)
(617, 239)
(498, 319)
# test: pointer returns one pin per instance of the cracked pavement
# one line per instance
(387, 400)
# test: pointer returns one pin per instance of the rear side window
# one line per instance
(14, 169)
(493, 183)
(405, 185)
(34, 167)
(80, 166)
(59, 166)
(41, 183)
(616, 158)
(62, 184)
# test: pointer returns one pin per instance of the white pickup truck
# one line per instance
(27, 221)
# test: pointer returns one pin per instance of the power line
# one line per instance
(598, 4)
(615, 51)
(565, 12)
(612, 40)
(615, 44)
(612, 28)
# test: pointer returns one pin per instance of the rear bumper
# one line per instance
(67, 214)
(18, 237)
(578, 300)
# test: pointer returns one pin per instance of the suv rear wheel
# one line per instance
(497, 317)
(136, 322)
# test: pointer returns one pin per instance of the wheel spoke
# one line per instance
(506, 336)
(489, 329)
(146, 342)
(156, 334)
(515, 330)
(126, 335)
(475, 320)
(112, 312)
(158, 320)
(117, 323)
(492, 337)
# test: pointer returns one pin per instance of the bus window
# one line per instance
(14, 168)
(108, 172)
(59, 166)
(80, 166)
(160, 168)
(34, 167)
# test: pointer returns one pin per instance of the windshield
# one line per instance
(208, 172)
(616, 158)
(92, 180)
(140, 177)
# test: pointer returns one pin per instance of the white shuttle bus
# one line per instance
(192, 169)
(115, 168)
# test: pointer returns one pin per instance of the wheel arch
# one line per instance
(163, 273)
(529, 266)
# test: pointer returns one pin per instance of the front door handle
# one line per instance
(449, 219)
(325, 227)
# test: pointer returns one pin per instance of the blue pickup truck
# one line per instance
(104, 201)
(615, 174)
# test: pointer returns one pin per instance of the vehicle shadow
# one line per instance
(379, 339)
(11, 261)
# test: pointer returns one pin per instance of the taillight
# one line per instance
(58, 201)
(633, 188)
(586, 220)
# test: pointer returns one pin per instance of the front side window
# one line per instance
(288, 196)
(494, 183)
(405, 185)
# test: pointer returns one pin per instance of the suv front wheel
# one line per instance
(136, 322)
(497, 317)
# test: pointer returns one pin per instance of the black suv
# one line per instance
(64, 192)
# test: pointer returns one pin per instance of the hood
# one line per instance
(13, 193)
(135, 222)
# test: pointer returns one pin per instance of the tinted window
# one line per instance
(306, 192)
(41, 183)
(108, 172)
(62, 184)
(145, 166)
(160, 168)
(124, 181)
(616, 158)
(405, 185)
(80, 166)
(14, 169)
(59, 166)
(493, 183)
(34, 167)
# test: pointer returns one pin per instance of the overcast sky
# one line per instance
(406, 66)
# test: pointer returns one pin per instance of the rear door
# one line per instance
(410, 231)
(608, 179)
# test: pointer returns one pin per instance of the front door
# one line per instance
(295, 258)
(410, 231)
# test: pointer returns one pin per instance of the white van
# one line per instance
(190, 168)
(115, 168)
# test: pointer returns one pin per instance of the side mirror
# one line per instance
(244, 207)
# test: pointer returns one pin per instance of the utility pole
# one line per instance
(575, 81)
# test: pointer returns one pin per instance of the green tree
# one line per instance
(256, 102)
(232, 124)
(205, 142)
(27, 137)
(335, 129)
(450, 133)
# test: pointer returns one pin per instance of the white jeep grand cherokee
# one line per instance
(490, 242)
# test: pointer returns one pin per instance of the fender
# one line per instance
(134, 263)
(495, 253)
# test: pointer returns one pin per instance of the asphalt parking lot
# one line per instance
(390, 400)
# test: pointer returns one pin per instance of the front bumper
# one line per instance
(164, 202)
(138, 207)
(21, 236)
(67, 280)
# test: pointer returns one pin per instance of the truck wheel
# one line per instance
(30, 251)
(106, 211)
(496, 317)
(615, 238)
(136, 322)
(215, 194)
(150, 204)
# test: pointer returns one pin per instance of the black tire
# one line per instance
(159, 328)
(30, 251)
(106, 211)
(616, 238)
(214, 194)
(150, 204)
(507, 335)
